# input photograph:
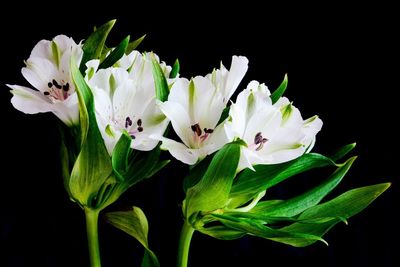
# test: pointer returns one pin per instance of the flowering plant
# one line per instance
(115, 105)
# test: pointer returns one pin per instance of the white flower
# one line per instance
(125, 100)
(195, 107)
(273, 133)
(48, 70)
(227, 81)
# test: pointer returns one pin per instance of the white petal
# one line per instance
(42, 49)
(216, 140)
(180, 151)
(310, 128)
(237, 71)
(207, 103)
(39, 72)
(180, 93)
(29, 101)
(64, 43)
(180, 121)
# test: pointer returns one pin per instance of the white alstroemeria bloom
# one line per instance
(226, 81)
(194, 108)
(274, 133)
(125, 100)
(48, 70)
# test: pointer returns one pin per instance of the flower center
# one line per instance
(58, 91)
(259, 141)
(133, 131)
(199, 135)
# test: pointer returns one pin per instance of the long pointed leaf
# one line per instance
(93, 164)
(336, 210)
(134, 223)
(160, 81)
(175, 69)
(280, 90)
(249, 183)
(116, 54)
(312, 197)
(120, 155)
(94, 44)
(134, 44)
(213, 189)
(253, 228)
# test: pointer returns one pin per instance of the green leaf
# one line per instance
(115, 55)
(249, 183)
(93, 164)
(175, 69)
(212, 191)
(157, 167)
(160, 81)
(343, 151)
(251, 227)
(142, 165)
(134, 44)
(134, 223)
(347, 204)
(312, 197)
(222, 232)
(280, 91)
(224, 115)
(93, 46)
(121, 154)
(196, 173)
(336, 210)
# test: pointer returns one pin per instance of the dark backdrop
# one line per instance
(339, 61)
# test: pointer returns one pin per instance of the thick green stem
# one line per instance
(184, 244)
(92, 234)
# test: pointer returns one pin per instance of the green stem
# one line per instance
(184, 244)
(93, 239)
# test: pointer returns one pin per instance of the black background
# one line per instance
(341, 63)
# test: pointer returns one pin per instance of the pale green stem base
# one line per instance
(184, 244)
(92, 234)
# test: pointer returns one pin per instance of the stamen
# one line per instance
(208, 131)
(260, 141)
(56, 84)
(258, 138)
(66, 87)
(128, 122)
(140, 129)
(196, 128)
(132, 136)
(50, 85)
(46, 93)
(139, 122)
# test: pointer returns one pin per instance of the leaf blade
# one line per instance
(94, 44)
(115, 54)
(280, 90)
